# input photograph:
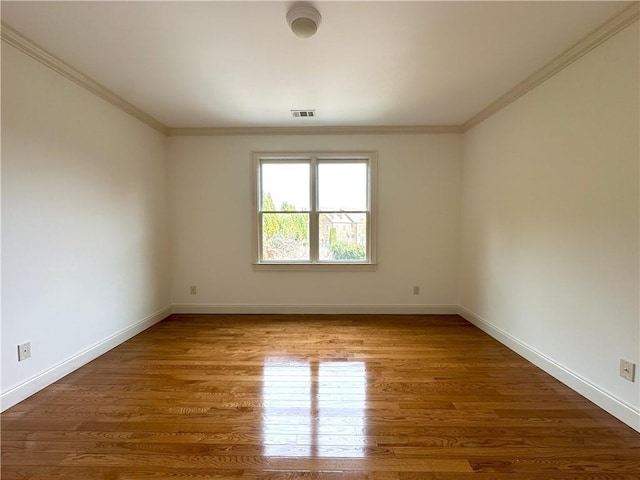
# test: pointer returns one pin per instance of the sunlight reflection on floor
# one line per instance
(314, 409)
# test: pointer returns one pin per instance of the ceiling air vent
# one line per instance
(303, 113)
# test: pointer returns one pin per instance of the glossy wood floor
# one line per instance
(313, 397)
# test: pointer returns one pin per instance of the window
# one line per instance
(315, 210)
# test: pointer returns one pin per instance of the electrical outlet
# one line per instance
(194, 290)
(24, 351)
(416, 289)
(628, 370)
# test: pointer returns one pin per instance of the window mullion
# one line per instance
(314, 240)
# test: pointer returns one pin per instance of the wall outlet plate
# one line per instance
(24, 351)
(627, 370)
(193, 290)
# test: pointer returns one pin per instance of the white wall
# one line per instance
(545, 256)
(84, 225)
(418, 199)
(549, 232)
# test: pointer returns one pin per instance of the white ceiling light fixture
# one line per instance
(303, 20)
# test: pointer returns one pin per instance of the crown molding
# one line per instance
(600, 35)
(611, 27)
(359, 130)
(17, 40)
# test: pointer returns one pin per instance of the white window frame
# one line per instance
(314, 158)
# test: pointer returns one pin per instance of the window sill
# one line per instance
(316, 267)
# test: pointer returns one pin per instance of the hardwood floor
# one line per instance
(313, 397)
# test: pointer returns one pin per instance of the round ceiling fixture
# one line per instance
(303, 20)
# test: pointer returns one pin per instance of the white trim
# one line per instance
(43, 379)
(314, 159)
(17, 40)
(315, 267)
(372, 220)
(326, 130)
(605, 400)
(600, 35)
(389, 309)
(621, 410)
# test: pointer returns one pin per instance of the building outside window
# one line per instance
(315, 209)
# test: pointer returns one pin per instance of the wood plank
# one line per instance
(313, 397)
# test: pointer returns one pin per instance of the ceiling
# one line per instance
(237, 64)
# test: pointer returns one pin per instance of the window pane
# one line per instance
(285, 236)
(342, 186)
(343, 237)
(285, 186)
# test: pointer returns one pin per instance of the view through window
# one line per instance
(315, 209)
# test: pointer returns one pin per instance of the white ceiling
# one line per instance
(237, 64)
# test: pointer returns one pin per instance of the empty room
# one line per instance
(331, 240)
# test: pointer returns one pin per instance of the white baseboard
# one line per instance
(621, 410)
(43, 379)
(317, 309)
(608, 402)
